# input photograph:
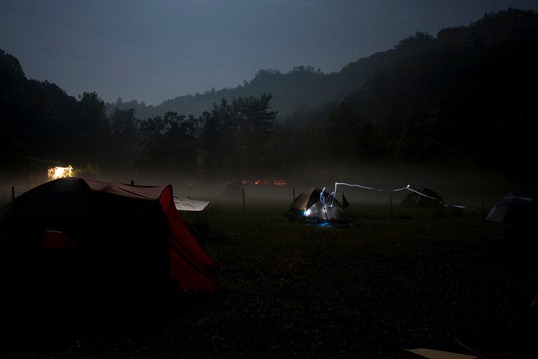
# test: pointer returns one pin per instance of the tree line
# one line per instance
(462, 97)
(40, 121)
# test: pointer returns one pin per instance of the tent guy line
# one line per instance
(332, 195)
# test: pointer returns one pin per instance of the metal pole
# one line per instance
(244, 208)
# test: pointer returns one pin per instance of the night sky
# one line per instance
(153, 51)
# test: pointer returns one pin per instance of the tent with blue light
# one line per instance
(315, 206)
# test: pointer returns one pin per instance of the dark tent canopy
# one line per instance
(423, 198)
(513, 209)
(317, 207)
(78, 239)
(233, 189)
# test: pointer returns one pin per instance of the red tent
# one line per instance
(190, 262)
(88, 238)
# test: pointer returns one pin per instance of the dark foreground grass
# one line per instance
(367, 291)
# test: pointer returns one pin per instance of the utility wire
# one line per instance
(125, 39)
(111, 63)
(136, 43)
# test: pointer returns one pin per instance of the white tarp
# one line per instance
(187, 204)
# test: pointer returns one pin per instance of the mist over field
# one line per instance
(368, 182)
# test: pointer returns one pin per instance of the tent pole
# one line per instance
(390, 199)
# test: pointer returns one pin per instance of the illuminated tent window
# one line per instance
(60, 172)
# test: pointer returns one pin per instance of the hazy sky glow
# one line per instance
(154, 51)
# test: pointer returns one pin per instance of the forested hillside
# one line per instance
(303, 88)
(468, 98)
(462, 97)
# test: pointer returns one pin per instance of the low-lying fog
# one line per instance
(456, 185)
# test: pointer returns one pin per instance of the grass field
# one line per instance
(391, 281)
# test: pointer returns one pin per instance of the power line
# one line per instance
(126, 40)
(111, 63)
(129, 67)
(136, 43)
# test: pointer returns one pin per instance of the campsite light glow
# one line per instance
(60, 172)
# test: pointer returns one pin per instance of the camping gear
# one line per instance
(512, 209)
(190, 205)
(77, 239)
(423, 198)
(315, 206)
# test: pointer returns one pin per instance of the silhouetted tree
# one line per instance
(168, 144)
(93, 129)
(235, 134)
(217, 137)
(124, 137)
(287, 146)
(254, 124)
